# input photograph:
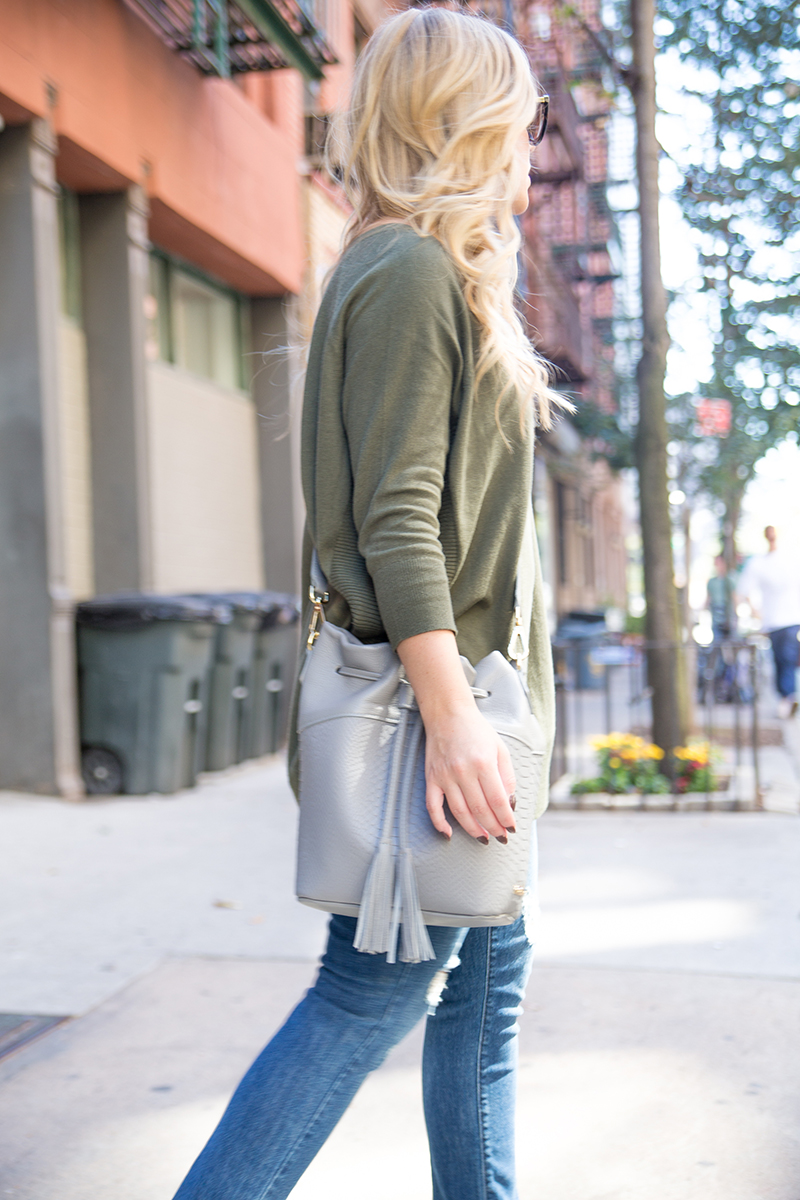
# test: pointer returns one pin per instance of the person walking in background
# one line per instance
(770, 583)
(721, 601)
(421, 398)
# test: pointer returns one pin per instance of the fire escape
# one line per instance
(228, 37)
(569, 230)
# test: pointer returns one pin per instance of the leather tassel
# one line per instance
(375, 911)
(394, 927)
(415, 943)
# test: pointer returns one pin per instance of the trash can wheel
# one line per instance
(102, 771)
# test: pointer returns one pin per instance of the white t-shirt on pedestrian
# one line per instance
(772, 582)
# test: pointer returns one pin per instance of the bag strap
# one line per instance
(319, 595)
(518, 645)
(319, 583)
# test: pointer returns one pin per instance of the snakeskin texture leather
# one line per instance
(348, 718)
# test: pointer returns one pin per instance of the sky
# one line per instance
(774, 495)
(681, 128)
(773, 498)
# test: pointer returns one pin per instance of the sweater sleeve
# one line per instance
(403, 368)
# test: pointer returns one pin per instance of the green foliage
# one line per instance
(741, 195)
(694, 769)
(627, 764)
(604, 435)
(585, 787)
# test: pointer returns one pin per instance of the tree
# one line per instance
(666, 669)
(603, 435)
(741, 194)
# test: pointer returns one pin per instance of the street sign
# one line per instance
(713, 417)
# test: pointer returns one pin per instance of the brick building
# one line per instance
(568, 284)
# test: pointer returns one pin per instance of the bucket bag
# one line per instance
(367, 847)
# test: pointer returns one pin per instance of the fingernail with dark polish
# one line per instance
(511, 829)
(484, 841)
(513, 802)
(502, 840)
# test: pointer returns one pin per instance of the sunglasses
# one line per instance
(538, 128)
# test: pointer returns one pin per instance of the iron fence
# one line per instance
(602, 688)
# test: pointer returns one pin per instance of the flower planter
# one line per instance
(628, 766)
(624, 801)
(724, 799)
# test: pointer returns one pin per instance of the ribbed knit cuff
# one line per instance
(413, 596)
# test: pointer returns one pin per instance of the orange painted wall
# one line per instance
(221, 175)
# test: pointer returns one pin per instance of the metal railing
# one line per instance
(602, 688)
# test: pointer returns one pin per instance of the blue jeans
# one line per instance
(786, 652)
(359, 1008)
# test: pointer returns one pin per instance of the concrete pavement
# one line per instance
(92, 895)
(659, 1043)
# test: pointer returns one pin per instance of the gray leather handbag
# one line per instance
(367, 847)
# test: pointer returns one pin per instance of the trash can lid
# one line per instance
(132, 610)
(279, 608)
(276, 608)
(579, 624)
(238, 601)
(586, 617)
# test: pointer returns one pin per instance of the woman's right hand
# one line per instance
(466, 761)
(467, 764)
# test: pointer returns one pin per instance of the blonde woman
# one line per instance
(422, 393)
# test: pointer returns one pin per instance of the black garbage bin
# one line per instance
(277, 643)
(143, 678)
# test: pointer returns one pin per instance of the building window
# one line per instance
(69, 245)
(158, 311)
(587, 530)
(316, 133)
(195, 323)
(561, 531)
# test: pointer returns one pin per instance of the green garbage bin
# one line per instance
(277, 644)
(230, 691)
(143, 678)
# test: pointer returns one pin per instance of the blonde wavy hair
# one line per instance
(438, 103)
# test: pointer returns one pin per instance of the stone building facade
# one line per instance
(160, 227)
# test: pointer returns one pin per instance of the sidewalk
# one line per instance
(659, 1042)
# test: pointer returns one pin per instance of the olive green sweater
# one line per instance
(415, 503)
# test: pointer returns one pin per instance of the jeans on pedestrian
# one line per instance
(786, 652)
(359, 1008)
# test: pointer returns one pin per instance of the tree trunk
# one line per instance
(665, 661)
(730, 525)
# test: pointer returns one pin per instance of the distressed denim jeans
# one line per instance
(359, 1008)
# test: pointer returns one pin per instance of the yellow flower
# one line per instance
(614, 763)
(698, 752)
